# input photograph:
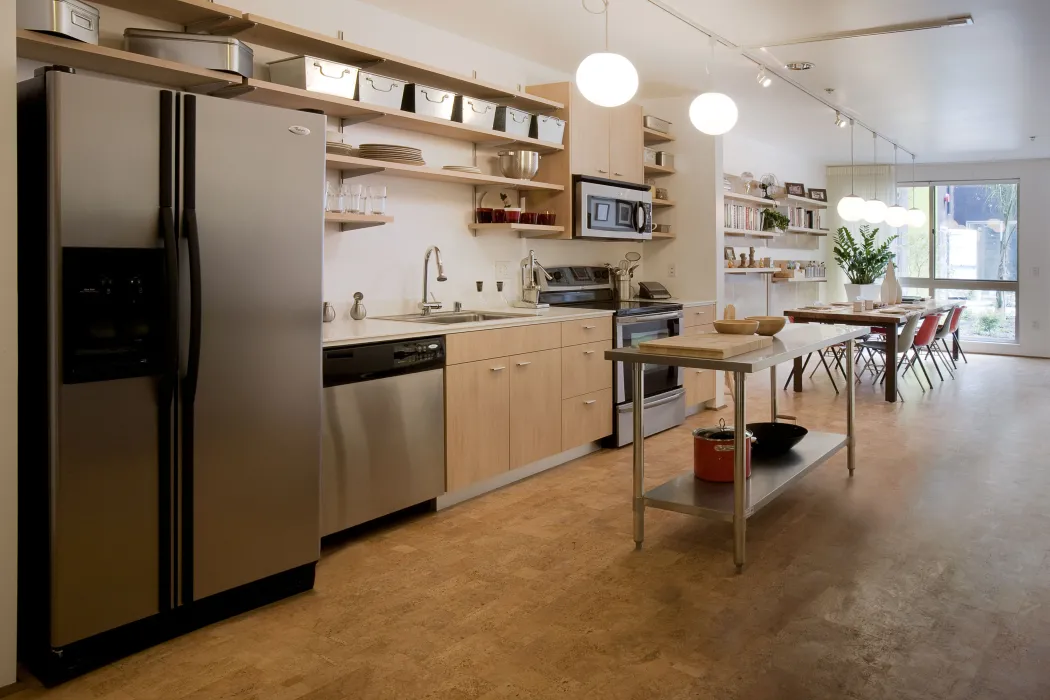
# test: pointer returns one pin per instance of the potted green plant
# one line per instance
(773, 220)
(863, 263)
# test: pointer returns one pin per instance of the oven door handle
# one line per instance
(631, 320)
(629, 407)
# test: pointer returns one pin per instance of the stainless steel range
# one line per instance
(633, 322)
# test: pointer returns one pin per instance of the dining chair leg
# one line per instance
(948, 353)
(929, 356)
(923, 367)
(792, 375)
(935, 350)
(827, 369)
(961, 351)
(838, 359)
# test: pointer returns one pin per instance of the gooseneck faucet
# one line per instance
(426, 306)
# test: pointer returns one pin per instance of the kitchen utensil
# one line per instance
(768, 325)
(519, 165)
(706, 345)
(730, 313)
(316, 75)
(623, 285)
(735, 327)
(376, 89)
(665, 159)
(327, 312)
(71, 19)
(220, 53)
(774, 439)
(428, 101)
(657, 124)
(633, 256)
(513, 121)
(474, 112)
(547, 128)
(714, 453)
(358, 310)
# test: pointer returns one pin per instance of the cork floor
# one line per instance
(925, 576)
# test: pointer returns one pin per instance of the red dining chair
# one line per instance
(904, 342)
(941, 339)
(923, 338)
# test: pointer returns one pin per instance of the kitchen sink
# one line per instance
(450, 317)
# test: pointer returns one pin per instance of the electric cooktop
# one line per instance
(590, 288)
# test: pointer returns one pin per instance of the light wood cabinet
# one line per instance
(586, 418)
(501, 342)
(477, 415)
(591, 128)
(626, 143)
(535, 406)
(698, 316)
(699, 386)
(697, 330)
(584, 369)
(587, 330)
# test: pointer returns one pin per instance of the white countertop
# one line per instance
(342, 332)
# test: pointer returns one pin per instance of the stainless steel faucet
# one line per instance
(426, 306)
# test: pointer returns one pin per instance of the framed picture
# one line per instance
(795, 188)
(818, 195)
(730, 254)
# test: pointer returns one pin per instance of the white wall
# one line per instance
(8, 349)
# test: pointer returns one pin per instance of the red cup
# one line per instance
(513, 216)
(529, 217)
(546, 218)
(482, 215)
(499, 216)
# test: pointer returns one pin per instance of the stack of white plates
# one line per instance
(339, 149)
(463, 169)
(393, 154)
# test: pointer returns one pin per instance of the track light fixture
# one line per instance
(840, 121)
(763, 78)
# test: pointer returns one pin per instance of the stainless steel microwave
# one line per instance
(609, 209)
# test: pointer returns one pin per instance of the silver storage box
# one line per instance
(316, 75)
(657, 124)
(67, 18)
(221, 53)
(546, 128)
(665, 159)
(474, 112)
(428, 101)
(380, 90)
(513, 121)
(649, 157)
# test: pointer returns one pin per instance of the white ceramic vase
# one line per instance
(891, 288)
(862, 291)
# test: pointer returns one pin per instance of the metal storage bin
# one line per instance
(380, 90)
(67, 18)
(428, 101)
(546, 128)
(221, 53)
(649, 157)
(513, 121)
(657, 124)
(665, 159)
(475, 112)
(317, 75)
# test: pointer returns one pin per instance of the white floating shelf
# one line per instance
(797, 280)
(760, 201)
(353, 166)
(810, 231)
(658, 170)
(804, 201)
(352, 222)
(652, 136)
(657, 203)
(748, 232)
(749, 270)
(524, 230)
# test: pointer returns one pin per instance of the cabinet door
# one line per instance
(477, 421)
(699, 386)
(590, 125)
(535, 406)
(626, 144)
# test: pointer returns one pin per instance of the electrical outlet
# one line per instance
(503, 269)
(1035, 325)
(672, 270)
(1035, 272)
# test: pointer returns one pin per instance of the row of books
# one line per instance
(805, 218)
(741, 216)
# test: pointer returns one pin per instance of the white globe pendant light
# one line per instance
(607, 79)
(851, 207)
(875, 209)
(713, 113)
(896, 216)
(916, 217)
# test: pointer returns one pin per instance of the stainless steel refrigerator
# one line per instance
(170, 259)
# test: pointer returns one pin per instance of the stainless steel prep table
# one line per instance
(769, 477)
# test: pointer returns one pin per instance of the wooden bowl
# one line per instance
(769, 325)
(736, 327)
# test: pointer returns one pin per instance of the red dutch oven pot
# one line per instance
(713, 452)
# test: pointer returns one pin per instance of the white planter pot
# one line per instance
(863, 291)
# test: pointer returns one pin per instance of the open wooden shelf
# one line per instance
(797, 280)
(297, 41)
(657, 236)
(524, 230)
(804, 201)
(352, 222)
(748, 232)
(124, 64)
(758, 201)
(265, 92)
(748, 270)
(352, 166)
(810, 231)
(658, 170)
(652, 136)
(184, 12)
(664, 203)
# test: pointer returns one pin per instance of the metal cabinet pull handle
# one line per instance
(620, 174)
(379, 89)
(426, 94)
(320, 69)
(603, 172)
(498, 369)
(588, 352)
(524, 364)
(588, 403)
(589, 328)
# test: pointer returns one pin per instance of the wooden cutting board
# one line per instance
(713, 346)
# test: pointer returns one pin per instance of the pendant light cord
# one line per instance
(603, 11)
(852, 161)
(875, 165)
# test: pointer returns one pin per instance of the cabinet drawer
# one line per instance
(584, 369)
(697, 330)
(586, 418)
(501, 342)
(699, 386)
(587, 330)
(698, 316)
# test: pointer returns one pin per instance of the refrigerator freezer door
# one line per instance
(259, 189)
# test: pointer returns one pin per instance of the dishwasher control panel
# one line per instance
(361, 363)
(426, 350)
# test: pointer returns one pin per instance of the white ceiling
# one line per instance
(952, 94)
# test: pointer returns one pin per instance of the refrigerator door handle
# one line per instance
(193, 359)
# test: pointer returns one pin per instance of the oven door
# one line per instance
(658, 379)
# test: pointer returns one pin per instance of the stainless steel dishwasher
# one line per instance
(384, 430)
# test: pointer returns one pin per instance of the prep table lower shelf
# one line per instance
(769, 477)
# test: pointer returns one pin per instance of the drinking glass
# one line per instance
(356, 204)
(331, 200)
(341, 206)
(377, 199)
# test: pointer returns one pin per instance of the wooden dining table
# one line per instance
(876, 319)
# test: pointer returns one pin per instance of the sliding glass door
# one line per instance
(966, 253)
